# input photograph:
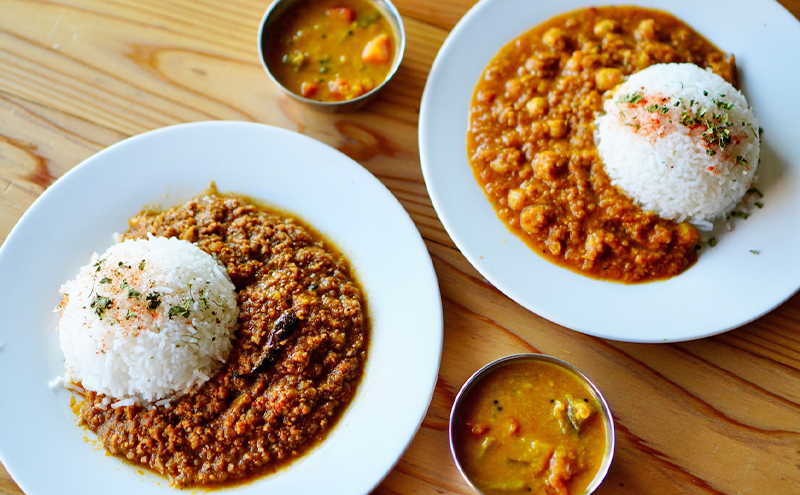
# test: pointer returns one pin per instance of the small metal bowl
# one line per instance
(279, 7)
(605, 412)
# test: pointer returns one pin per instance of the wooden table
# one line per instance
(714, 416)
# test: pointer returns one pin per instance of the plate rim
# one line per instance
(431, 139)
(426, 282)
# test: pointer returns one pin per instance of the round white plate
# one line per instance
(41, 444)
(729, 285)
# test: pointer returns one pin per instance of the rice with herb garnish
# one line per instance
(681, 141)
(146, 320)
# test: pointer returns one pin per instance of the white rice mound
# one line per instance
(146, 320)
(651, 142)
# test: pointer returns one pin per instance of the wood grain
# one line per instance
(714, 416)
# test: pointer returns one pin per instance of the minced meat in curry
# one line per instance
(298, 354)
(531, 146)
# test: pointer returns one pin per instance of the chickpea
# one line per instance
(516, 199)
(543, 86)
(555, 38)
(533, 218)
(590, 61)
(574, 64)
(687, 234)
(537, 106)
(505, 161)
(646, 30)
(554, 245)
(605, 26)
(642, 60)
(659, 236)
(548, 164)
(558, 128)
(607, 78)
(594, 245)
(500, 165)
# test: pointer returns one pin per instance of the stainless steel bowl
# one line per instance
(605, 412)
(388, 10)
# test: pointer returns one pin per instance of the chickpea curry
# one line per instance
(330, 50)
(531, 144)
(530, 427)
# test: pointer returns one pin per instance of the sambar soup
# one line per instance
(330, 50)
(530, 426)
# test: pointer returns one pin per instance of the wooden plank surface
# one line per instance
(714, 416)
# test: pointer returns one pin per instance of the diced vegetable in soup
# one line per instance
(330, 50)
(530, 427)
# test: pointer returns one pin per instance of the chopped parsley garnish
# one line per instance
(130, 315)
(712, 242)
(180, 310)
(368, 19)
(153, 300)
(634, 124)
(755, 251)
(141, 265)
(662, 109)
(100, 304)
(726, 105)
(716, 132)
(105, 280)
(689, 119)
(133, 293)
(98, 263)
(632, 98)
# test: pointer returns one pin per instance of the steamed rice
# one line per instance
(146, 320)
(681, 141)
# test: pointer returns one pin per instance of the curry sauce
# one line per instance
(297, 357)
(531, 144)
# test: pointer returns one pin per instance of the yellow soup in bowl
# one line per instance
(330, 50)
(531, 425)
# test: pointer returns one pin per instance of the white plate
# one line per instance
(40, 443)
(729, 286)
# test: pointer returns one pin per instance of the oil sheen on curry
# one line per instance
(530, 427)
(531, 141)
(297, 356)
